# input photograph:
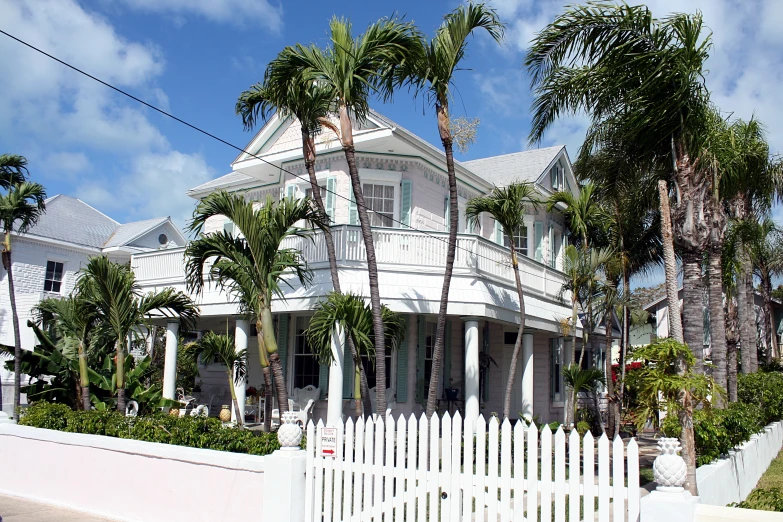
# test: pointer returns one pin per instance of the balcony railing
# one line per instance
(405, 249)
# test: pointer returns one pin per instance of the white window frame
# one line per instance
(303, 185)
(392, 179)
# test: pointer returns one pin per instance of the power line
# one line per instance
(221, 140)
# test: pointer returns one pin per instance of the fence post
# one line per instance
(284, 476)
(669, 502)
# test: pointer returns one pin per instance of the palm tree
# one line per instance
(352, 69)
(579, 380)
(507, 206)
(433, 74)
(20, 208)
(643, 78)
(221, 347)
(583, 212)
(288, 92)
(121, 309)
(732, 281)
(354, 316)
(74, 319)
(252, 265)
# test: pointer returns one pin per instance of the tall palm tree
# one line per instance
(112, 291)
(74, 319)
(645, 77)
(287, 91)
(507, 206)
(732, 280)
(221, 347)
(764, 241)
(353, 68)
(583, 212)
(20, 207)
(252, 265)
(354, 316)
(433, 75)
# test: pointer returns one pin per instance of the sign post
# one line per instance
(328, 442)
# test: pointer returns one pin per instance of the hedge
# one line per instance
(194, 432)
(716, 431)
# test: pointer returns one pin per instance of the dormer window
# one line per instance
(557, 175)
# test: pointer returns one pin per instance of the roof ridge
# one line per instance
(89, 206)
(514, 153)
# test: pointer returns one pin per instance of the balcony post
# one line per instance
(241, 334)
(170, 361)
(472, 370)
(527, 376)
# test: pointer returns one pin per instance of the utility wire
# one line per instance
(236, 147)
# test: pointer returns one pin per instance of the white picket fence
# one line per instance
(417, 470)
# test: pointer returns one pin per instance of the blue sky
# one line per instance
(193, 57)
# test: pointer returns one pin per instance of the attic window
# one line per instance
(558, 176)
(163, 239)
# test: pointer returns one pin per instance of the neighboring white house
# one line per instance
(405, 185)
(46, 260)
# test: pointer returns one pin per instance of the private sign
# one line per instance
(328, 442)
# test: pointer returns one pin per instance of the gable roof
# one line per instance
(232, 178)
(518, 166)
(71, 220)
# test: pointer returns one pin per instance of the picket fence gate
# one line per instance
(415, 471)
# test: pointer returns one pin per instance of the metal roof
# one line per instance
(518, 166)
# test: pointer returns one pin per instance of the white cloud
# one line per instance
(237, 12)
(154, 186)
(68, 162)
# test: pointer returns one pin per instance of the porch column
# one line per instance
(170, 361)
(472, 369)
(241, 334)
(527, 375)
(334, 405)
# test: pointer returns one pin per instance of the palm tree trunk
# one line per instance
(237, 411)
(120, 377)
(267, 373)
(731, 358)
(693, 303)
(750, 293)
(611, 399)
(742, 314)
(717, 320)
(440, 331)
(363, 400)
(512, 369)
(346, 130)
(670, 264)
(624, 345)
(84, 378)
(8, 265)
(357, 389)
(274, 358)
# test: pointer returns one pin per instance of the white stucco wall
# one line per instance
(130, 480)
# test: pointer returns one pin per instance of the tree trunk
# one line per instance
(512, 369)
(270, 340)
(732, 335)
(743, 316)
(440, 331)
(670, 264)
(611, 399)
(8, 265)
(753, 323)
(267, 373)
(363, 401)
(626, 340)
(84, 378)
(372, 264)
(237, 411)
(693, 304)
(120, 377)
(769, 318)
(717, 320)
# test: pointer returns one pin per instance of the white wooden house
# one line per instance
(404, 184)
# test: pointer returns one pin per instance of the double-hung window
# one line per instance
(306, 369)
(370, 369)
(520, 241)
(322, 190)
(54, 277)
(379, 200)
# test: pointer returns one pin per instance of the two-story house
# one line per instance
(47, 259)
(405, 187)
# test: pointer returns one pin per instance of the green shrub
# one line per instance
(765, 499)
(195, 432)
(764, 389)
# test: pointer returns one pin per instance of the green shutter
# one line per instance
(323, 379)
(290, 191)
(551, 246)
(282, 339)
(421, 348)
(498, 233)
(539, 241)
(353, 212)
(331, 184)
(405, 202)
(447, 355)
(228, 227)
(402, 365)
(348, 371)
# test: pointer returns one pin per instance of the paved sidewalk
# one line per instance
(15, 509)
